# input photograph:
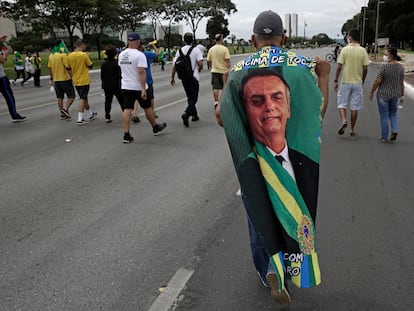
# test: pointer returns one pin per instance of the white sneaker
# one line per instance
(93, 116)
(80, 123)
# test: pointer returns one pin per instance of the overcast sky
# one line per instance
(321, 16)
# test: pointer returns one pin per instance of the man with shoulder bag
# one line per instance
(190, 81)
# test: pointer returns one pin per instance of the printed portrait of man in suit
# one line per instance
(266, 98)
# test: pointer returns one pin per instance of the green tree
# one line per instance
(6, 9)
(217, 24)
(194, 11)
(395, 22)
(55, 14)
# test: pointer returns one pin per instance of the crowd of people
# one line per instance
(352, 69)
(272, 115)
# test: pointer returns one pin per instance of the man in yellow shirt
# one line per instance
(354, 59)
(79, 64)
(61, 81)
(218, 59)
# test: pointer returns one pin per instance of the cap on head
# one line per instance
(133, 36)
(188, 37)
(268, 23)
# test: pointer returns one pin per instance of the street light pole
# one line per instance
(376, 28)
(363, 26)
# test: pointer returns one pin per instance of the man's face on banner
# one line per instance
(267, 106)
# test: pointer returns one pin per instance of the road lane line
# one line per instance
(100, 93)
(166, 299)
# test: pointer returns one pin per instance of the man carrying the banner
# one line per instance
(272, 111)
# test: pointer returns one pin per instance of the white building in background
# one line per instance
(294, 25)
(288, 24)
(146, 30)
(7, 27)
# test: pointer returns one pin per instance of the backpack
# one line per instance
(183, 65)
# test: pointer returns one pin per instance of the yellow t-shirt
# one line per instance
(58, 62)
(218, 55)
(353, 58)
(79, 63)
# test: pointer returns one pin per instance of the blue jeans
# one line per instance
(259, 254)
(387, 108)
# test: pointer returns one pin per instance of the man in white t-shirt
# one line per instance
(191, 86)
(133, 65)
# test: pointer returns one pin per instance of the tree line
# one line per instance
(395, 22)
(93, 17)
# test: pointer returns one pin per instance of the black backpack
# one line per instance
(183, 65)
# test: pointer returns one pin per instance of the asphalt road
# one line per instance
(87, 223)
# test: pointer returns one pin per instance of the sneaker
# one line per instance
(341, 130)
(264, 281)
(65, 112)
(80, 123)
(195, 118)
(135, 119)
(282, 297)
(63, 117)
(19, 118)
(93, 116)
(127, 138)
(158, 128)
(108, 120)
(393, 136)
(185, 117)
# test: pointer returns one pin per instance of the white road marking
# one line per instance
(94, 94)
(166, 299)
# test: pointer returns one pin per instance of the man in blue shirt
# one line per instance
(150, 91)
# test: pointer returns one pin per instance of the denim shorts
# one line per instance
(350, 95)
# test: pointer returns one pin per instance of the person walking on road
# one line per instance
(133, 84)
(390, 85)
(37, 68)
(18, 67)
(271, 111)
(61, 81)
(28, 67)
(79, 64)
(150, 56)
(111, 81)
(5, 88)
(218, 59)
(191, 85)
(354, 60)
